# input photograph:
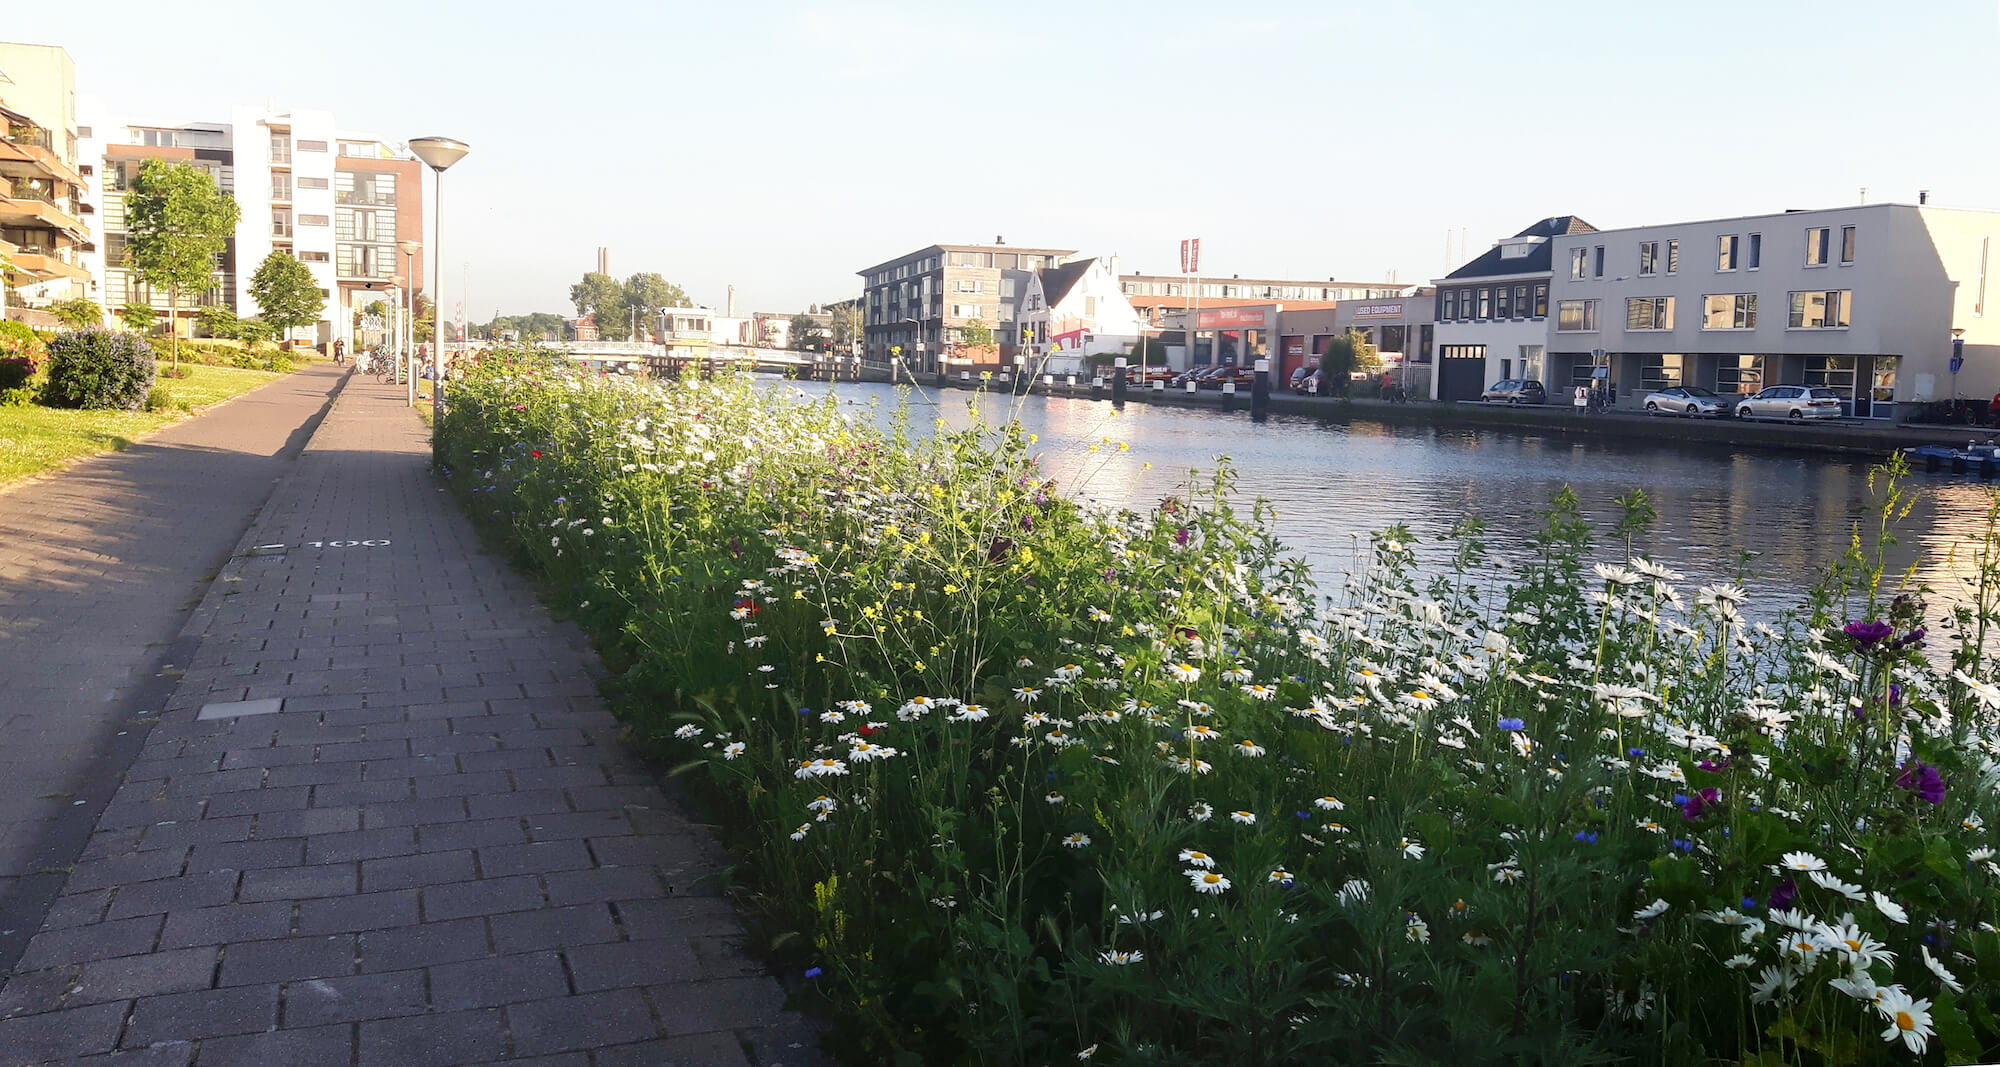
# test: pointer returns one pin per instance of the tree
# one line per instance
(648, 293)
(252, 331)
(137, 316)
(177, 222)
(218, 321)
(847, 324)
(1338, 362)
(602, 296)
(805, 334)
(423, 321)
(286, 293)
(77, 313)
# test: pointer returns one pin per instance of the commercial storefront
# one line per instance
(1866, 384)
(1403, 333)
(1240, 335)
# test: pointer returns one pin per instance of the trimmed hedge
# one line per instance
(98, 368)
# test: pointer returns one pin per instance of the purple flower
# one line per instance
(1867, 634)
(1693, 806)
(1784, 895)
(1513, 725)
(1714, 766)
(1181, 537)
(1915, 638)
(1922, 779)
(813, 972)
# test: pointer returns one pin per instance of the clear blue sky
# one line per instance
(784, 146)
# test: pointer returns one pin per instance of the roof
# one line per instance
(1058, 281)
(1538, 259)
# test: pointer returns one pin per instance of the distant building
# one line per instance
(1074, 311)
(1154, 295)
(1492, 313)
(918, 303)
(44, 203)
(338, 201)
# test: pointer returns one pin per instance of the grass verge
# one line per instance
(35, 439)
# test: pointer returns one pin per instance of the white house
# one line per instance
(1074, 311)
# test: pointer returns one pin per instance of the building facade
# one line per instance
(1402, 329)
(338, 202)
(45, 209)
(915, 306)
(1492, 313)
(1864, 300)
(1074, 311)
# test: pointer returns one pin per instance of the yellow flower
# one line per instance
(950, 589)
(1124, 447)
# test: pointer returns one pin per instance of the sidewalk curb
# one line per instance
(26, 904)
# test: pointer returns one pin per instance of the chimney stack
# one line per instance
(731, 306)
(603, 260)
(999, 239)
(1923, 196)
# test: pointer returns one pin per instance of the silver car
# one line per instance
(1795, 402)
(1688, 400)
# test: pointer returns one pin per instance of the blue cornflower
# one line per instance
(1635, 751)
(1683, 844)
(1588, 837)
(1515, 725)
(805, 711)
(813, 972)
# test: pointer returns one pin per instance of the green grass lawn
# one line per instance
(34, 439)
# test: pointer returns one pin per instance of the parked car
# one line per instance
(1299, 375)
(1308, 385)
(1688, 400)
(1515, 391)
(1203, 377)
(1794, 402)
(1154, 373)
(1232, 374)
(1192, 374)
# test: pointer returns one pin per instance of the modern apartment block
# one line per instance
(922, 300)
(1864, 300)
(1158, 296)
(44, 212)
(338, 201)
(1492, 313)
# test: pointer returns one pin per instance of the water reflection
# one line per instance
(1332, 482)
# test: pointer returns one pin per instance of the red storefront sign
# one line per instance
(1216, 317)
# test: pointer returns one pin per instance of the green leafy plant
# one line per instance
(97, 368)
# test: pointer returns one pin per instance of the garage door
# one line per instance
(1461, 374)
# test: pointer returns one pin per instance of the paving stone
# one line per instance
(100, 941)
(288, 959)
(720, 1004)
(497, 981)
(434, 1040)
(126, 977)
(622, 964)
(352, 999)
(199, 890)
(203, 1014)
(692, 1050)
(602, 884)
(362, 844)
(298, 883)
(490, 896)
(245, 855)
(544, 1026)
(537, 858)
(226, 923)
(423, 945)
(470, 833)
(526, 931)
(55, 1034)
(320, 1045)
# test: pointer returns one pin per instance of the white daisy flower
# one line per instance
(732, 750)
(1249, 748)
(1247, 818)
(1194, 858)
(1207, 881)
(1076, 841)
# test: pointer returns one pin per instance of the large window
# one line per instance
(1816, 241)
(1835, 373)
(1847, 244)
(1673, 257)
(1449, 310)
(1756, 252)
(1520, 301)
(1485, 304)
(1542, 301)
(1739, 375)
(1821, 310)
(1576, 316)
(1729, 311)
(1597, 263)
(1649, 313)
(1649, 257)
(1503, 307)
(1664, 371)
(1725, 252)
(1579, 261)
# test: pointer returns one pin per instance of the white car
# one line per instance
(1689, 400)
(1794, 402)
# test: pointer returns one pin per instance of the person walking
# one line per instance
(1993, 411)
(339, 351)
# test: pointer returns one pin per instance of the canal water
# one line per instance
(1332, 482)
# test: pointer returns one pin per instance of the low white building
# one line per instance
(1074, 311)
(1492, 312)
(1864, 300)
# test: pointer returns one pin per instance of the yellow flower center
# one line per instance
(1853, 945)
(1211, 879)
(1421, 695)
(1904, 1022)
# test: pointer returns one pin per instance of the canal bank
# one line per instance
(1847, 437)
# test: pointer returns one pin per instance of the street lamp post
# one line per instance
(919, 352)
(406, 340)
(438, 153)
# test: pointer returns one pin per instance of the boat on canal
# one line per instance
(1974, 458)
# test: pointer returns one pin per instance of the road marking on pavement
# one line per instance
(236, 709)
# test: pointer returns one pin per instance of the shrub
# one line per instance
(279, 364)
(159, 398)
(18, 397)
(15, 371)
(96, 368)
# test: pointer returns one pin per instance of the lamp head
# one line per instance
(439, 152)
(409, 248)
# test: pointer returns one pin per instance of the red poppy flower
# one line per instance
(537, 453)
(867, 730)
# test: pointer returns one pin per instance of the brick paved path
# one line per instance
(431, 849)
(99, 568)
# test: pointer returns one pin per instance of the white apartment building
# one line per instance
(1864, 300)
(1492, 313)
(46, 230)
(338, 201)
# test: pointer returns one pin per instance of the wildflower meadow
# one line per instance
(1015, 780)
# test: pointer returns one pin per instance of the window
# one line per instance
(1729, 311)
(1649, 257)
(86, 169)
(1089, 306)
(1463, 351)
(1847, 244)
(1485, 304)
(312, 146)
(312, 220)
(1578, 257)
(312, 183)
(1663, 371)
(1816, 239)
(1739, 375)
(1755, 255)
(1542, 301)
(966, 285)
(1449, 310)
(1576, 316)
(1598, 263)
(1520, 301)
(1503, 307)
(313, 257)
(1649, 313)
(1821, 310)
(1725, 252)
(1531, 362)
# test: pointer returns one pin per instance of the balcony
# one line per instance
(282, 229)
(44, 259)
(31, 205)
(364, 198)
(281, 194)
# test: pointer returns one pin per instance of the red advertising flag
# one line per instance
(1184, 255)
(1194, 256)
